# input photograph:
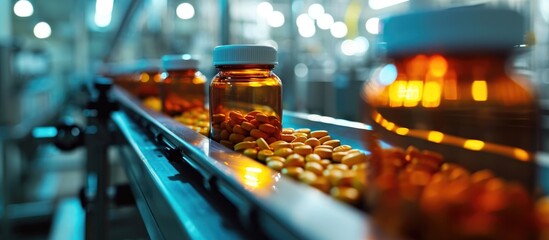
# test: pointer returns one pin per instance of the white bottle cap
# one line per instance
(148, 65)
(453, 30)
(179, 62)
(244, 54)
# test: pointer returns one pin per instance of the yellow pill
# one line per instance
(262, 144)
(292, 171)
(275, 158)
(325, 163)
(264, 154)
(337, 156)
(346, 194)
(303, 150)
(298, 134)
(287, 137)
(324, 139)
(325, 146)
(359, 181)
(314, 167)
(307, 177)
(294, 160)
(287, 130)
(243, 145)
(334, 143)
(303, 130)
(300, 139)
(354, 158)
(342, 148)
(275, 165)
(339, 166)
(346, 179)
(283, 152)
(353, 151)
(313, 142)
(283, 145)
(333, 175)
(322, 184)
(319, 133)
(360, 167)
(274, 144)
(251, 153)
(313, 157)
(247, 139)
(323, 152)
(296, 144)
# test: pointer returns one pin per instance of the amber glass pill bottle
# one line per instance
(123, 77)
(245, 95)
(183, 86)
(147, 78)
(449, 87)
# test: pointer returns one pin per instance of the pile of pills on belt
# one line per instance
(313, 158)
(196, 119)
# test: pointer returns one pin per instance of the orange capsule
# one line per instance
(267, 128)
(256, 133)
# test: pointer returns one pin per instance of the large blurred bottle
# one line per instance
(147, 83)
(449, 89)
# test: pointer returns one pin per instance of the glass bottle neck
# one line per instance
(245, 70)
(182, 73)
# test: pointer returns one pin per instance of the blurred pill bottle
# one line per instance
(183, 86)
(147, 82)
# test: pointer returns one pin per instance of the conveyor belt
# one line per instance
(266, 203)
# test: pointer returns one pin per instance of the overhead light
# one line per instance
(380, 4)
(269, 42)
(276, 19)
(301, 70)
(42, 30)
(348, 47)
(362, 45)
(304, 20)
(338, 30)
(103, 12)
(388, 74)
(372, 25)
(315, 11)
(305, 25)
(185, 11)
(307, 31)
(325, 21)
(23, 8)
(264, 9)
